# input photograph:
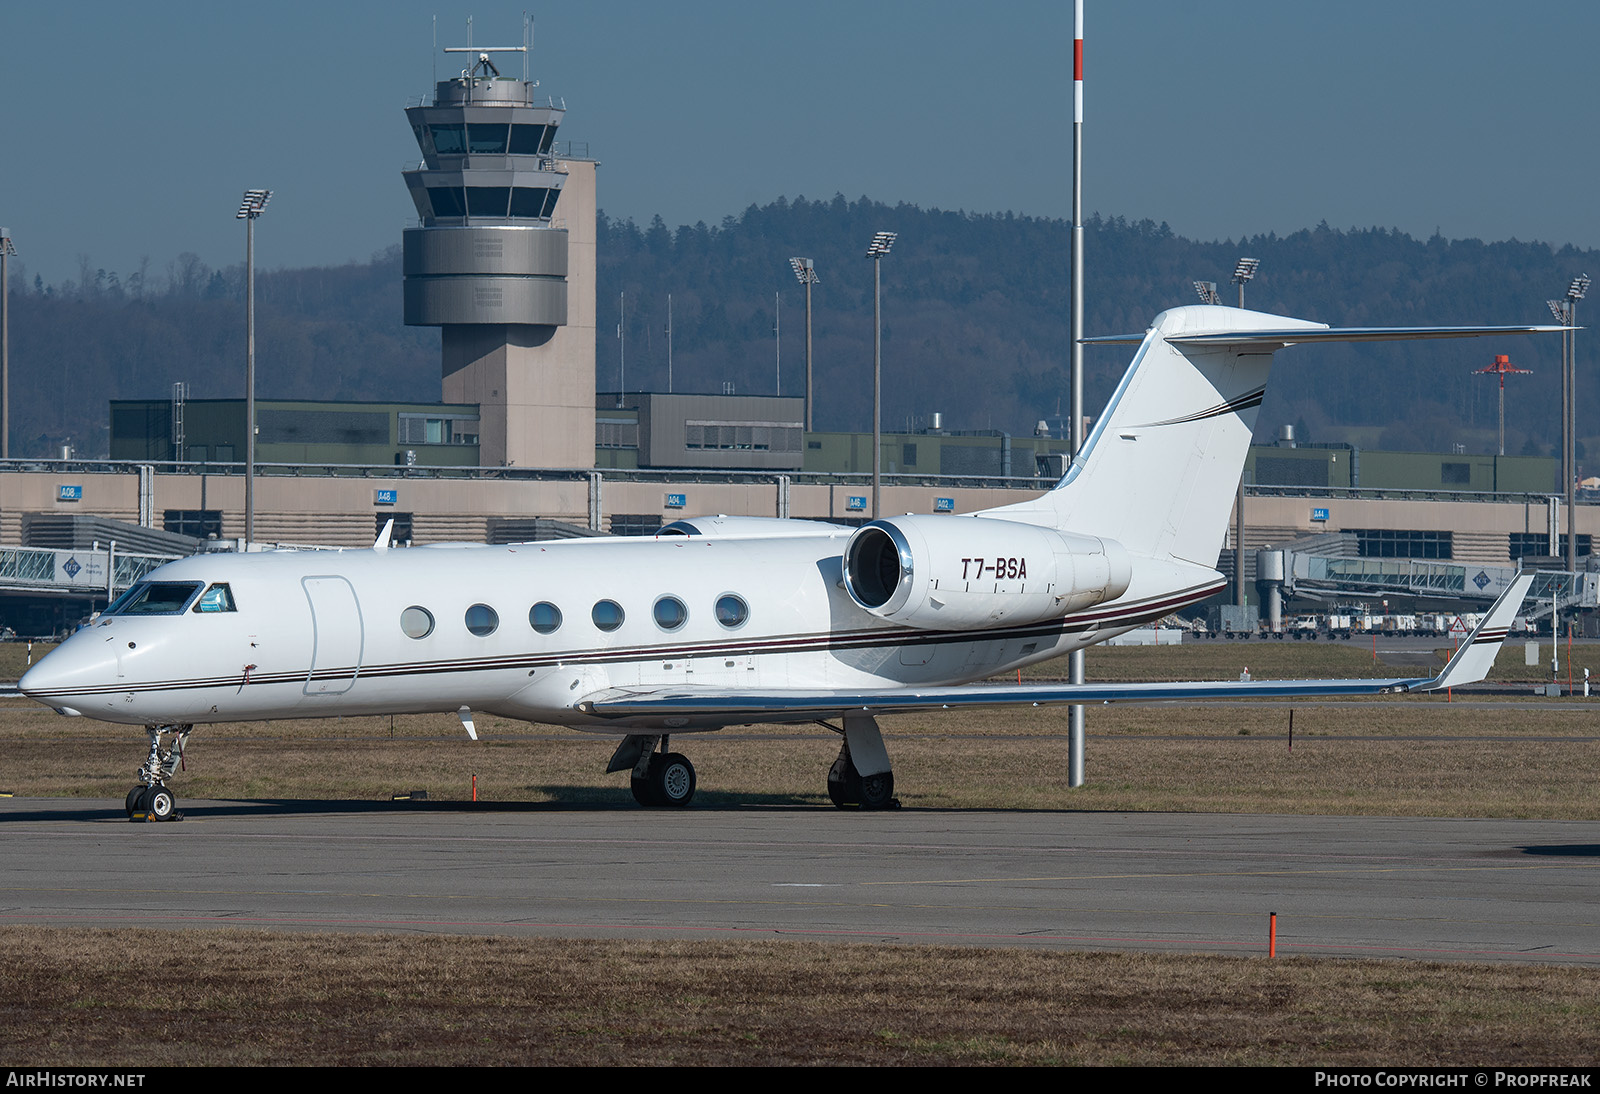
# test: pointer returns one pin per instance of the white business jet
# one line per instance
(730, 621)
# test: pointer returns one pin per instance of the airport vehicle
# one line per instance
(1304, 626)
(729, 620)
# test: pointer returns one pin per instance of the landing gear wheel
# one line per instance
(643, 791)
(877, 791)
(670, 781)
(844, 785)
(133, 800)
(673, 777)
(160, 803)
(847, 786)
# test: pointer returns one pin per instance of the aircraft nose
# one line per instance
(60, 679)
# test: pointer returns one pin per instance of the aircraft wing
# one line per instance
(1470, 664)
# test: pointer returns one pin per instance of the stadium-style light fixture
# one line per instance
(880, 245)
(1207, 291)
(1245, 270)
(255, 201)
(1566, 312)
(806, 272)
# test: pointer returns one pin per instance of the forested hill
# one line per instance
(975, 324)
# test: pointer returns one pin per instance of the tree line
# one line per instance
(974, 324)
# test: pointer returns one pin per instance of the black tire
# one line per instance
(848, 787)
(877, 791)
(160, 803)
(672, 779)
(844, 785)
(133, 799)
(643, 792)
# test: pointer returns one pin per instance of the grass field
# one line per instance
(1403, 757)
(134, 998)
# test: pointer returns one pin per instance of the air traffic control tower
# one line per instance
(504, 262)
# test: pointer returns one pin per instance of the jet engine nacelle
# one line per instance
(954, 573)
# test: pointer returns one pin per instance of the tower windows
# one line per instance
(486, 139)
(449, 140)
(487, 201)
(447, 201)
(529, 140)
(533, 202)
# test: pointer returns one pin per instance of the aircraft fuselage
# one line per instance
(526, 631)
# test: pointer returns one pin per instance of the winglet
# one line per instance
(381, 544)
(1473, 660)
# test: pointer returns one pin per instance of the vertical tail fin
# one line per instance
(1159, 470)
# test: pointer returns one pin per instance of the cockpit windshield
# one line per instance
(154, 598)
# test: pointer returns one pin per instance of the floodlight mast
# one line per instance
(1207, 291)
(7, 249)
(805, 270)
(1575, 292)
(1244, 271)
(254, 203)
(880, 245)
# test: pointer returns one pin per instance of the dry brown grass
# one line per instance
(1399, 757)
(131, 998)
(14, 657)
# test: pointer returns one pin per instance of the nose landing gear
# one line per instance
(151, 800)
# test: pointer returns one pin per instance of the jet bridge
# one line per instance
(95, 572)
(1319, 577)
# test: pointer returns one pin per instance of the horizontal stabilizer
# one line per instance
(1277, 339)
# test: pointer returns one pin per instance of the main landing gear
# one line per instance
(861, 777)
(151, 800)
(660, 778)
(862, 748)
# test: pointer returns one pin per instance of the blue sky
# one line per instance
(131, 129)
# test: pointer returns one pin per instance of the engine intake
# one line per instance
(955, 573)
